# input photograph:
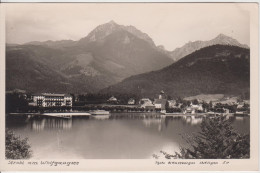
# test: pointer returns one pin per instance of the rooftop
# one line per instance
(52, 94)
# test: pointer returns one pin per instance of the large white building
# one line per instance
(50, 100)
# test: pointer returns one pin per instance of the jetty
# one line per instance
(53, 114)
(67, 114)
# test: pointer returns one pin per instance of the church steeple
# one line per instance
(162, 95)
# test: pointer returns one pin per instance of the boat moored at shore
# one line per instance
(99, 112)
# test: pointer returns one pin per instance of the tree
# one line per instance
(167, 106)
(15, 103)
(195, 102)
(217, 140)
(169, 97)
(232, 108)
(239, 99)
(205, 106)
(15, 147)
(210, 104)
(179, 100)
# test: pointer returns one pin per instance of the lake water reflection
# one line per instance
(121, 136)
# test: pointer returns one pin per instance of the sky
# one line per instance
(168, 24)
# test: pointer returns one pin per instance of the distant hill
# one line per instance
(191, 47)
(107, 55)
(217, 69)
(206, 97)
(24, 71)
(61, 44)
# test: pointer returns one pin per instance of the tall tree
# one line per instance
(217, 140)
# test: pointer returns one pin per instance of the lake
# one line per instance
(121, 136)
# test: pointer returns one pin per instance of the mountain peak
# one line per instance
(222, 36)
(102, 31)
(227, 40)
(112, 22)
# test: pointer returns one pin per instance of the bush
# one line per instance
(15, 147)
(217, 140)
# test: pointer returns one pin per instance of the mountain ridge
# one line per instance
(88, 64)
(109, 54)
(112, 26)
(217, 69)
(190, 47)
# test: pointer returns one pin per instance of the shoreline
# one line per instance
(88, 114)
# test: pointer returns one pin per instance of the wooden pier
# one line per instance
(58, 115)
(67, 114)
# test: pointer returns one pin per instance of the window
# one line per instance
(39, 102)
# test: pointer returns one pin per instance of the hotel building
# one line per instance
(50, 100)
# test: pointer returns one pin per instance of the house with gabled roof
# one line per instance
(131, 101)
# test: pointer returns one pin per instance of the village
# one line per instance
(20, 101)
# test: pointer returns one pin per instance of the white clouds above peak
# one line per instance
(168, 24)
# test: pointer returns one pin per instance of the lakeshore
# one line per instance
(144, 114)
(119, 136)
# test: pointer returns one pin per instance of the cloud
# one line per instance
(169, 24)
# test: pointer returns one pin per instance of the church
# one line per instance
(161, 101)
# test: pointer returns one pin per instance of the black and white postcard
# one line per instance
(129, 86)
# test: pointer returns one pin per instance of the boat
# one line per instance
(172, 114)
(241, 113)
(99, 112)
(101, 117)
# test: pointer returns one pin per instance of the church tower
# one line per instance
(162, 95)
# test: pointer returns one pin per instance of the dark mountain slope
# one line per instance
(109, 54)
(37, 69)
(210, 70)
(24, 71)
(124, 54)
